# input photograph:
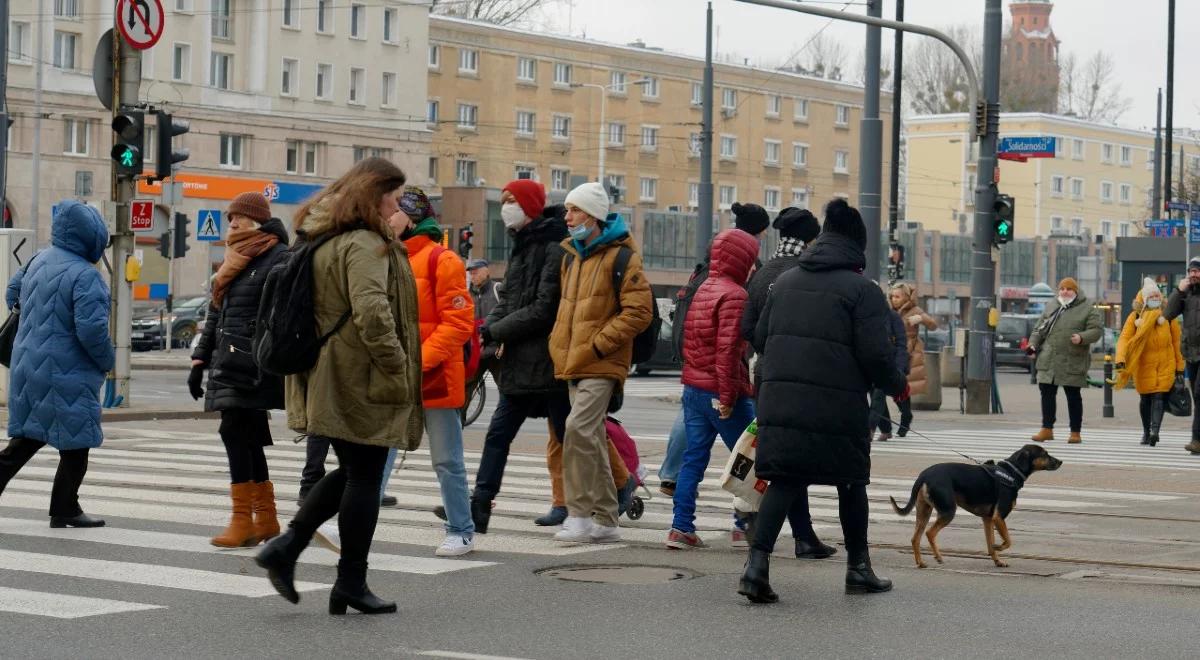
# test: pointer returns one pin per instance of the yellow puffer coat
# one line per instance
(1154, 358)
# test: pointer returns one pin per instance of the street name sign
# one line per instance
(1038, 146)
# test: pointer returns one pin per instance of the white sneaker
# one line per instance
(575, 530)
(603, 534)
(455, 545)
(327, 536)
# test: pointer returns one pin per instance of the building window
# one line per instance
(616, 134)
(799, 154)
(800, 110)
(772, 150)
(841, 162)
(464, 172)
(183, 6)
(1056, 186)
(774, 105)
(771, 199)
(468, 61)
(562, 73)
(468, 116)
(288, 80)
(649, 138)
(390, 17)
(729, 99)
(358, 26)
(291, 17)
(431, 112)
(1126, 155)
(1106, 229)
(560, 179)
(181, 63)
(1077, 188)
(649, 88)
(649, 189)
(617, 82)
(324, 81)
(1126, 194)
(727, 196)
(1106, 153)
(360, 153)
(357, 83)
(435, 56)
(220, 19)
(1106, 192)
(693, 199)
(325, 16)
(728, 146)
(218, 75)
(231, 151)
(525, 123)
(1056, 224)
(76, 136)
(66, 8)
(561, 128)
(842, 116)
(64, 50)
(697, 94)
(387, 91)
(526, 69)
(20, 42)
(800, 198)
(433, 170)
(694, 145)
(1124, 229)
(525, 172)
(292, 160)
(617, 181)
(1077, 149)
(1076, 226)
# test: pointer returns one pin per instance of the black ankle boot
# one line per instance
(279, 558)
(1156, 417)
(351, 590)
(756, 581)
(1145, 437)
(861, 579)
(813, 549)
(481, 513)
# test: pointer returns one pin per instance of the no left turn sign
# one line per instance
(140, 22)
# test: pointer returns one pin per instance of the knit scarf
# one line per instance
(789, 247)
(241, 247)
(427, 227)
(1146, 323)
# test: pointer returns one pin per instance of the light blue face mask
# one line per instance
(579, 232)
(1154, 304)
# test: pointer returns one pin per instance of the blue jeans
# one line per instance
(703, 426)
(444, 428)
(676, 445)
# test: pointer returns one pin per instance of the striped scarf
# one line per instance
(789, 247)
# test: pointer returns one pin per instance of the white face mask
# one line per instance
(1064, 301)
(1154, 304)
(512, 215)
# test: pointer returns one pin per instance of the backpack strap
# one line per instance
(620, 265)
(431, 274)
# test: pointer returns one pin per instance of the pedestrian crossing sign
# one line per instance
(208, 225)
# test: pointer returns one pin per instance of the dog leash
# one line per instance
(932, 441)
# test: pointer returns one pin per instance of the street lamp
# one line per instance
(603, 106)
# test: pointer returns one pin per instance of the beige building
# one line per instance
(282, 96)
(1097, 185)
(505, 104)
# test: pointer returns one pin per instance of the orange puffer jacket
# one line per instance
(446, 323)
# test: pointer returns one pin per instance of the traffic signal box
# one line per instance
(128, 142)
(1003, 213)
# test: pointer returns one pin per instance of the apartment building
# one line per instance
(505, 104)
(282, 95)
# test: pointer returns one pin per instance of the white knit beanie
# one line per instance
(591, 198)
(1149, 288)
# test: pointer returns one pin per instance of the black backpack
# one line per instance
(286, 338)
(645, 343)
(683, 301)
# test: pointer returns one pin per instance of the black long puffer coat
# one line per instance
(226, 345)
(758, 289)
(528, 306)
(823, 337)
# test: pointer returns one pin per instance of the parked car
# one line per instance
(185, 321)
(664, 358)
(1012, 338)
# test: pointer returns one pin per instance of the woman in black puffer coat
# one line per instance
(236, 386)
(823, 337)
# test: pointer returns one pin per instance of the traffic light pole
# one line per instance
(127, 80)
(166, 331)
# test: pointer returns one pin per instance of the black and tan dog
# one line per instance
(988, 491)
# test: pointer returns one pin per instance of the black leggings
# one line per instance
(1050, 406)
(1151, 407)
(780, 498)
(351, 492)
(245, 433)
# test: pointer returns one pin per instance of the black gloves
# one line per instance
(485, 334)
(195, 382)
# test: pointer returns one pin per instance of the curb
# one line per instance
(118, 415)
(161, 367)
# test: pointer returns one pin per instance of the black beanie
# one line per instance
(750, 218)
(797, 223)
(841, 218)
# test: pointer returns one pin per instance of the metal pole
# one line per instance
(4, 107)
(1156, 191)
(1167, 196)
(897, 80)
(603, 133)
(983, 269)
(167, 335)
(704, 224)
(36, 174)
(127, 80)
(870, 146)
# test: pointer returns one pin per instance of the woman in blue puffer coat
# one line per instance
(60, 357)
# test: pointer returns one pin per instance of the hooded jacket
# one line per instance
(447, 320)
(713, 348)
(1059, 362)
(593, 334)
(62, 350)
(226, 345)
(917, 379)
(1149, 347)
(1187, 305)
(824, 341)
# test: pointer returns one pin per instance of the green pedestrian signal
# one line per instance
(128, 158)
(129, 134)
(1003, 214)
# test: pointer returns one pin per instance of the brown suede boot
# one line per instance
(1193, 446)
(1074, 439)
(240, 532)
(266, 524)
(1043, 435)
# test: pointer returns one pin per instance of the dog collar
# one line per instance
(1014, 469)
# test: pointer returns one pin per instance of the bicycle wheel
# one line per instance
(475, 403)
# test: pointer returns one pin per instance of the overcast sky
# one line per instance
(1133, 32)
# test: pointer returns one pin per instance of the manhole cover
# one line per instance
(619, 574)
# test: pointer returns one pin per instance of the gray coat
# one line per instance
(1187, 305)
(1059, 362)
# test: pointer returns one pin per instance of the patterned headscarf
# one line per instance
(416, 204)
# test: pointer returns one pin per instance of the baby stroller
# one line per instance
(627, 448)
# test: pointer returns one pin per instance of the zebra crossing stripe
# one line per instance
(64, 606)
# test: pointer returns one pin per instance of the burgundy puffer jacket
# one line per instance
(714, 353)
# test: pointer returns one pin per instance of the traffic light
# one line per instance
(164, 245)
(166, 154)
(130, 128)
(464, 241)
(181, 235)
(1003, 212)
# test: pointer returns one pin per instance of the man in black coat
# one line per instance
(823, 337)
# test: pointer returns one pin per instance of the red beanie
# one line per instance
(530, 194)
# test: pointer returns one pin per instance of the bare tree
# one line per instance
(499, 12)
(824, 57)
(1090, 90)
(934, 80)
